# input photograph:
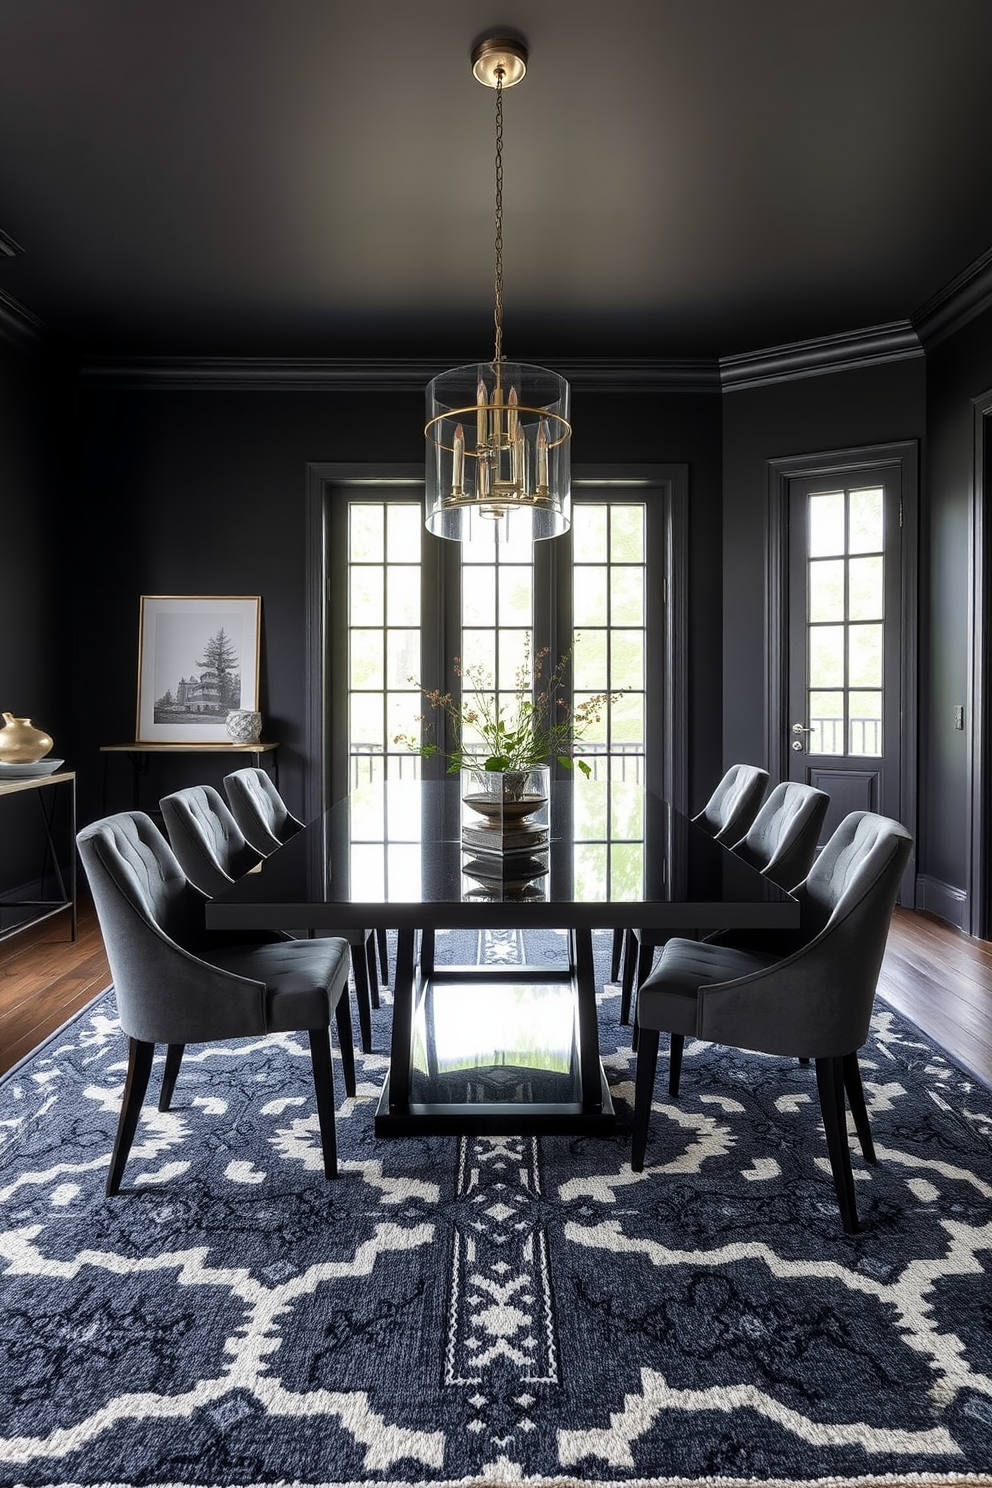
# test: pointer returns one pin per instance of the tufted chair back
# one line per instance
(781, 841)
(734, 804)
(259, 810)
(135, 873)
(856, 854)
(205, 837)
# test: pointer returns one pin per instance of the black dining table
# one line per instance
(504, 1048)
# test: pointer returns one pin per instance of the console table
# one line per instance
(44, 908)
(263, 756)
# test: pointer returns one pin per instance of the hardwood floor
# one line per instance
(933, 974)
(941, 980)
(45, 977)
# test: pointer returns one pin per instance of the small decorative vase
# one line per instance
(512, 805)
(244, 726)
(20, 743)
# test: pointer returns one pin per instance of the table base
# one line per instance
(496, 1119)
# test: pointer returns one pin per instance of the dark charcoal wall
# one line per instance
(35, 644)
(959, 369)
(204, 492)
(840, 410)
(36, 624)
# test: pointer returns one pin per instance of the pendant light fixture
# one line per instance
(498, 432)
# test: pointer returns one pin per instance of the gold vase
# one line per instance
(20, 743)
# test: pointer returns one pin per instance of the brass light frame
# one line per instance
(517, 429)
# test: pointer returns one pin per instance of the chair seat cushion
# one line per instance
(303, 978)
(668, 1000)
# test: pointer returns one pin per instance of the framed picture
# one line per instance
(197, 659)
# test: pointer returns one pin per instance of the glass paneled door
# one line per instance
(844, 639)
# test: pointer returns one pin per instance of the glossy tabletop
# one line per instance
(498, 1049)
(391, 854)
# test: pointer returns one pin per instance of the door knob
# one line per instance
(798, 728)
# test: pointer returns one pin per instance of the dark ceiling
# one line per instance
(309, 178)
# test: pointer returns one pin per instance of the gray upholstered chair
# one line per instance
(176, 984)
(266, 823)
(812, 1002)
(726, 816)
(734, 804)
(781, 843)
(259, 810)
(212, 850)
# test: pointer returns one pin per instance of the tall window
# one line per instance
(497, 611)
(590, 590)
(384, 635)
(845, 625)
(609, 588)
(609, 585)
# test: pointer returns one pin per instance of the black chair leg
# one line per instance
(380, 938)
(830, 1085)
(647, 1065)
(616, 955)
(346, 1041)
(675, 1062)
(323, 1085)
(856, 1100)
(139, 1068)
(373, 967)
(629, 970)
(360, 971)
(173, 1059)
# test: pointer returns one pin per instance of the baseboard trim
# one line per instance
(942, 900)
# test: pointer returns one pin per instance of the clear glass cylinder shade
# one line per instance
(498, 464)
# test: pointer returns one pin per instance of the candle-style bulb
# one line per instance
(512, 417)
(458, 462)
(542, 455)
(481, 416)
(518, 464)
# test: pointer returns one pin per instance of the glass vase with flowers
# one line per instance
(505, 744)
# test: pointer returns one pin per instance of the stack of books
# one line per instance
(494, 838)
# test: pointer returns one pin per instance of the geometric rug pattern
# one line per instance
(491, 1310)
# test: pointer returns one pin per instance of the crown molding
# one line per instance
(641, 374)
(847, 352)
(262, 374)
(20, 327)
(376, 374)
(960, 300)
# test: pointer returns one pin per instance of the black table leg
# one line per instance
(590, 1072)
(401, 1039)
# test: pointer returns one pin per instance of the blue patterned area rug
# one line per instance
(492, 1310)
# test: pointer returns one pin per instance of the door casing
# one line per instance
(844, 464)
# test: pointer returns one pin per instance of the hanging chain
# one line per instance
(498, 301)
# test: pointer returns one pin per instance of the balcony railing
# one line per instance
(369, 762)
(827, 736)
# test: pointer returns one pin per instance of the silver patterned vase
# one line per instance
(244, 726)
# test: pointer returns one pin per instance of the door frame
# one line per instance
(671, 711)
(978, 862)
(904, 456)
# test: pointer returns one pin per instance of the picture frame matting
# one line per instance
(198, 658)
